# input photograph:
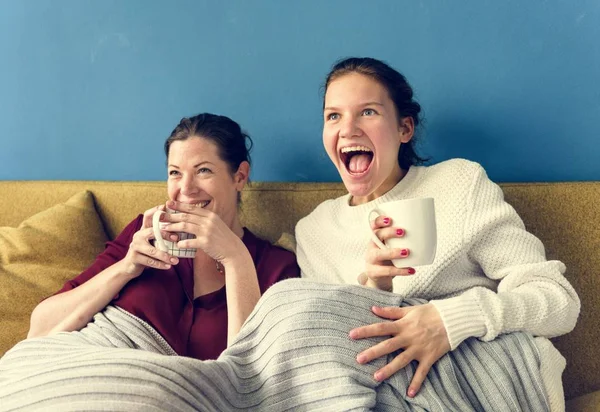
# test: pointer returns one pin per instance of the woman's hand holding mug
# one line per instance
(403, 235)
(142, 253)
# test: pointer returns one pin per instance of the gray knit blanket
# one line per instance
(293, 353)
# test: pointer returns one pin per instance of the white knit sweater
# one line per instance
(490, 276)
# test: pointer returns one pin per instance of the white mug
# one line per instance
(417, 218)
(166, 245)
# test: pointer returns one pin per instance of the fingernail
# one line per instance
(411, 393)
(174, 260)
(404, 252)
(171, 203)
(352, 334)
(411, 271)
(378, 376)
(361, 358)
(386, 220)
(400, 232)
(173, 237)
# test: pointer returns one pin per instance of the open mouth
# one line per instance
(357, 159)
(202, 204)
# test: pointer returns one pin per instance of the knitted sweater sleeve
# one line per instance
(532, 293)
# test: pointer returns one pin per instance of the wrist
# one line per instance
(237, 256)
(125, 271)
(237, 263)
(462, 319)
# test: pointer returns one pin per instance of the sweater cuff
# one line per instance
(462, 318)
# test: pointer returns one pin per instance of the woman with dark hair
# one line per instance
(490, 276)
(197, 305)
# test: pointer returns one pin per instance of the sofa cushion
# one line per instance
(287, 241)
(584, 403)
(39, 255)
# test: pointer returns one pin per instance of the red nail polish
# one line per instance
(411, 271)
(400, 232)
(386, 220)
(404, 252)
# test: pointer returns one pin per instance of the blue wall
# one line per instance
(90, 89)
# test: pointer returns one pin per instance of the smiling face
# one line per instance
(198, 175)
(362, 135)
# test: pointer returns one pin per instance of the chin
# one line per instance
(358, 190)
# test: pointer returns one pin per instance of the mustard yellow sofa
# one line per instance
(51, 230)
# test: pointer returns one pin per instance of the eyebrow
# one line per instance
(195, 166)
(360, 105)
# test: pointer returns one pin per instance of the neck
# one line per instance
(388, 184)
(237, 228)
(207, 278)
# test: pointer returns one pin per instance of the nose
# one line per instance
(187, 185)
(349, 127)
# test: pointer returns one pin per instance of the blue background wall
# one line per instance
(90, 89)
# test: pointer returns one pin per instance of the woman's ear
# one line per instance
(406, 129)
(240, 178)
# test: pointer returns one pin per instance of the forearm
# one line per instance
(532, 293)
(72, 310)
(542, 308)
(243, 292)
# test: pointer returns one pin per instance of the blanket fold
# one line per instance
(293, 353)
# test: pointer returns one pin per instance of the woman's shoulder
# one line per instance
(324, 210)
(449, 173)
(455, 166)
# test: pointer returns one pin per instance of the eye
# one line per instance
(332, 116)
(369, 112)
(173, 173)
(204, 170)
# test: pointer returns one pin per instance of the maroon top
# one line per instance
(165, 298)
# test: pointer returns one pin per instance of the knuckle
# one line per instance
(151, 262)
(388, 233)
(374, 224)
(371, 255)
(388, 346)
(369, 274)
(403, 360)
(379, 274)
